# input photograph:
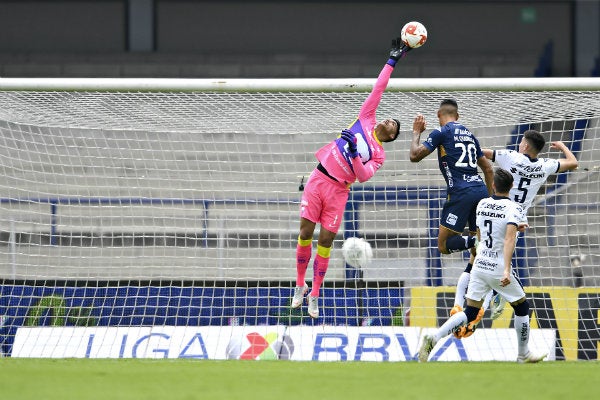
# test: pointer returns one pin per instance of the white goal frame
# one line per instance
(298, 84)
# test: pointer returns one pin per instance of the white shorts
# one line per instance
(481, 283)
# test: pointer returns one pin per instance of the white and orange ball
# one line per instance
(414, 34)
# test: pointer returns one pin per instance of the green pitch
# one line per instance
(50, 379)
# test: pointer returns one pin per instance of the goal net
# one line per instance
(174, 203)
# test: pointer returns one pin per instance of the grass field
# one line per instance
(51, 379)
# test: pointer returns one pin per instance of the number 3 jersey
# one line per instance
(458, 151)
(529, 174)
(494, 214)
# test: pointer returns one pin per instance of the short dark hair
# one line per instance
(449, 102)
(397, 129)
(449, 106)
(503, 180)
(535, 139)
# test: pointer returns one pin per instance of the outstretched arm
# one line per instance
(369, 107)
(569, 162)
(418, 150)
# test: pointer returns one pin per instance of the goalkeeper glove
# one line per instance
(349, 137)
(398, 50)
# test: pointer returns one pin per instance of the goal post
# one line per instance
(156, 203)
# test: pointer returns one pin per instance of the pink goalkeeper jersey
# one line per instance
(334, 155)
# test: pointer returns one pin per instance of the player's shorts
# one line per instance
(324, 201)
(481, 283)
(460, 209)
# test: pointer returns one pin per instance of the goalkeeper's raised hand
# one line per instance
(398, 50)
(349, 137)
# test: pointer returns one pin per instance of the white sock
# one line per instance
(458, 319)
(487, 300)
(461, 288)
(522, 328)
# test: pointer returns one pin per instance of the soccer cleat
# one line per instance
(531, 358)
(313, 306)
(426, 347)
(497, 306)
(469, 329)
(299, 292)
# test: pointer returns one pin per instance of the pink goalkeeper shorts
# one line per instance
(324, 201)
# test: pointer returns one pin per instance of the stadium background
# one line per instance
(287, 38)
(200, 39)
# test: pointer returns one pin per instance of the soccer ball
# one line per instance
(414, 34)
(357, 252)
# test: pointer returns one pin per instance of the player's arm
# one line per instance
(568, 163)
(488, 172)
(510, 239)
(488, 153)
(418, 150)
(370, 105)
(363, 172)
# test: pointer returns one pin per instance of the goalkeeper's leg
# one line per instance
(303, 253)
(320, 266)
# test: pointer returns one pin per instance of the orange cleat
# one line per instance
(466, 331)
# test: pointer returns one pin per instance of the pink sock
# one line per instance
(320, 269)
(302, 258)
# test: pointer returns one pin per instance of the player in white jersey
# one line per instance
(498, 221)
(529, 172)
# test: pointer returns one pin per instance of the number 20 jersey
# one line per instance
(529, 174)
(458, 151)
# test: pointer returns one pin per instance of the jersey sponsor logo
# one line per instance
(529, 168)
(472, 178)
(491, 214)
(528, 171)
(485, 265)
(494, 206)
(342, 164)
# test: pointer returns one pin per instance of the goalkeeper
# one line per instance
(355, 155)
